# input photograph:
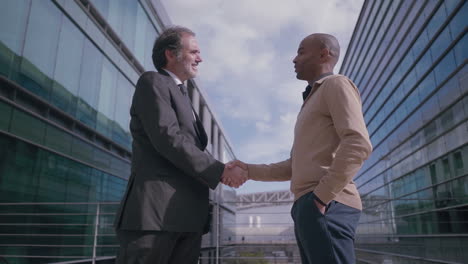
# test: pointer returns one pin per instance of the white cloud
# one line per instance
(248, 48)
(290, 92)
(271, 143)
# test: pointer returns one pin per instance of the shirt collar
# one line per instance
(320, 78)
(174, 77)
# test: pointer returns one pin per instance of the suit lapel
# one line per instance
(200, 131)
(197, 123)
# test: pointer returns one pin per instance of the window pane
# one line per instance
(441, 43)
(458, 162)
(115, 15)
(444, 68)
(129, 23)
(420, 44)
(461, 52)
(18, 170)
(119, 167)
(408, 83)
(40, 48)
(427, 86)
(90, 77)
(67, 70)
(6, 58)
(450, 5)
(52, 183)
(101, 159)
(150, 38)
(436, 21)
(460, 189)
(28, 127)
(446, 168)
(77, 175)
(140, 37)
(13, 23)
(58, 140)
(70, 52)
(411, 101)
(107, 93)
(42, 36)
(424, 63)
(82, 150)
(458, 23)
(90, 81)
(12, 30)
(5, 116)
(122, 112)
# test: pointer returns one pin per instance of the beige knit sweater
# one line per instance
(330, 144)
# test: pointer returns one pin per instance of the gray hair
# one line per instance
(170, 39)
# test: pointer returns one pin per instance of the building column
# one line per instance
(215, 137)
(196, 100)
(221, 144)
(206, 119)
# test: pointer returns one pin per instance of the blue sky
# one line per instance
(247, 73)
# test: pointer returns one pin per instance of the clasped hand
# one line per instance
(235, 173)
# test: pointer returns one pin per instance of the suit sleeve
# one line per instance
(162, 127)
(342, 99)
(280, 171)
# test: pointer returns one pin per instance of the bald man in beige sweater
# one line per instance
(330, 145)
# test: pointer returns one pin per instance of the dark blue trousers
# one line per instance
(325, 239)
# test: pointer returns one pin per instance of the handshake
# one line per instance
(235, 173)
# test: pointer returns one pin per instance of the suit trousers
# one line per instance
(325, 238)
(151, 247)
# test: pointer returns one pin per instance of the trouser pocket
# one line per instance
(312, 232)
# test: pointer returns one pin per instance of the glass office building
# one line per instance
(68, 69)
(408, 59)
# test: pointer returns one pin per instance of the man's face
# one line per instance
(308, 60)
(188, 59)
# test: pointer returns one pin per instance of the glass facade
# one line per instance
(409, 60)
(68, 70)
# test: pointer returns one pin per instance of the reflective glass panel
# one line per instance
(68, 67)
(13, 16)
(42, 36)
(90, 81)
(107, 92)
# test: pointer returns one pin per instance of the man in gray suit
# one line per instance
(165, 209)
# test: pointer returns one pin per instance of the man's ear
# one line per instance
(324, 54)
(170, 56)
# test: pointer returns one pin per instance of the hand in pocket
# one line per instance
(320, 207)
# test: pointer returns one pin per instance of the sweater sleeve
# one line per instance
(280, 171)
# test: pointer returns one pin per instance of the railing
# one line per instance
(57, 232)
(66, 233)
(261, 232)
(69, 233)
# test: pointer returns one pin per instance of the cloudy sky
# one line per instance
(247, 73)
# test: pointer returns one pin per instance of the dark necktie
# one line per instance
(183, 89)
(306, 92)
(196, 122)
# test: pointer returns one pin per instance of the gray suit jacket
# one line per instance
(171, 174)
